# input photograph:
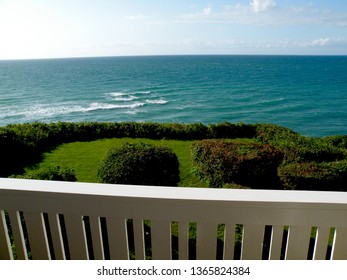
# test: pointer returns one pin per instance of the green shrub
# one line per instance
(14, 153)
(322, 176)
(235, 186)
(231, 131)
(247, 164)
(339, 141)
(298, 148)
(140, 164)
(53, 173)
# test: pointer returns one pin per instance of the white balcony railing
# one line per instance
(59, 220)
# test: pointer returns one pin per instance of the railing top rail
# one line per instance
(131, 191)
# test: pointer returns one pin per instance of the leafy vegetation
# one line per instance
(53, 173)
(320, 176)
(40, 144)
(247, 164)
(140, 164)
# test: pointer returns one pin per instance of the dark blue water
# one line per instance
(305, 93)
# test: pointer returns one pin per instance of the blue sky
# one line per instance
(78, 28)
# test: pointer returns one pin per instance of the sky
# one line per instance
(86, 28)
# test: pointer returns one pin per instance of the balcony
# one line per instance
(61, 220)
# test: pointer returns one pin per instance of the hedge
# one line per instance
(140, 164)
(297, 148)
(321, 176)
(248, 164)
(52, 173)
(23, 144)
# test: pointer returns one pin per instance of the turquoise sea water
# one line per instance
(305, 93)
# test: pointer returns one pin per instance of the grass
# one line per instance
(85, 157)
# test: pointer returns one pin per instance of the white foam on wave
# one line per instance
(107, 106)
(50, 111)
(158, 101)
(130, 98)
(115, 94)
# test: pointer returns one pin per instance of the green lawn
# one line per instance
(85, 157)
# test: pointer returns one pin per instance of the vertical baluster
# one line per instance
(117, 239)
(161, 240)
(95, 228)
(183, 240)
(276, 242)
(57, 240)
(321, 245)
(229, 241)
(37, 236)
(206, 241)
(252, 242)
(298, 242)
(76, 237)
(18, 235)
(139, 239)
(5, 243)
(339, 251)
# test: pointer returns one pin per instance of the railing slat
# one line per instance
(57, 240)
(5, 243)
(206, 243)
(18, 235)
(37, 236)
(183, 240)
(298, 242)
(139, 239)
(321, 245)
(339, 251)
(252, 242)
(161, 240)
(95, 228)
(229, 241)
(276, 242)
(76, 237)
(117, 239)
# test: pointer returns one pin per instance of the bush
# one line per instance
(248, 164)
(323, 176)
(298, 148)
(140, 164)
(53, 173)
(230, 130)
(339, 141)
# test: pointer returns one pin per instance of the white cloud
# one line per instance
(207, 11)
(135, 17)
(262, 5)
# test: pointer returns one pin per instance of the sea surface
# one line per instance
(305, 93)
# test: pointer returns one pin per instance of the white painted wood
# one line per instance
(252, 242)
(76, 237)
(117, 238)
(321, 244)
(298, 242)
(229, 241)
(161, 240)
(276, 242)
(139, 239)
(183, 240)
(57, 240)
(206, 241)
(37, 236)
(5, 244)
(18, 236)
(299, 209)
(339, 251)
(95, 228)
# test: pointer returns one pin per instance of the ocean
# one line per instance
(305, 93)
